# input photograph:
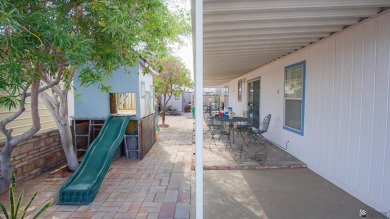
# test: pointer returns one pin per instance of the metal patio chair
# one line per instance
(256, 134)
(218, 128)
(243, 127)
(214, 128)
(206, 118)
(211, 123)
(223, 132)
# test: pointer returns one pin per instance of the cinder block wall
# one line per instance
(40, 153)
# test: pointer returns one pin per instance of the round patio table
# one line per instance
(231, 122)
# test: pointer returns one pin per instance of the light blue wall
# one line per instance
(94, 104)
(125, 80)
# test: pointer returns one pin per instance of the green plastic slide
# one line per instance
(83, 185)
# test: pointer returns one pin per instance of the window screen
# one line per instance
(294, 87)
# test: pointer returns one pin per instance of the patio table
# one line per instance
(231, 122)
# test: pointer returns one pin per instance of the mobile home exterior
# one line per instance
(344, 134)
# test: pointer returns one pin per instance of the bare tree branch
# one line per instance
(49, 99)
(70, 78)
(4, 122)
(46, 79)
(57, 90)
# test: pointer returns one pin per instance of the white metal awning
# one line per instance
(239, 36)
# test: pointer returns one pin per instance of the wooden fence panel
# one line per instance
(147, 134)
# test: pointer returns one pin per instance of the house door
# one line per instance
(254, 101)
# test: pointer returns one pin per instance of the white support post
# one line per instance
(199, 108)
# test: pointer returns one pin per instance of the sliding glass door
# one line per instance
(254, 101)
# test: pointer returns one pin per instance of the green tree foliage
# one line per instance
(172, 81)
(44, 42)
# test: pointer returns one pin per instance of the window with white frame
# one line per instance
(294, 97)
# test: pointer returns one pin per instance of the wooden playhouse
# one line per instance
(132, 94)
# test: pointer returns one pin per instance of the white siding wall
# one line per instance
(23, 122)
(347, 121)
(176, 104)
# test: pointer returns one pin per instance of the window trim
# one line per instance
(299, 132)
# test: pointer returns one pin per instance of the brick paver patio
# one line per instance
(159, 186)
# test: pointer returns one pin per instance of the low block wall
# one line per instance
(40, 153)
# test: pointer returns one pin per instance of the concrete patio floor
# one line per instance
(162, 185)
(274, 193)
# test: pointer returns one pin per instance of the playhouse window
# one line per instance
(123, 103)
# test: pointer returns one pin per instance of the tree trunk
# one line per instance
(5, 154)
(67, 145)
(66, 135)
(57, 105)
(163, 118)
(6, 168)
(164, 110)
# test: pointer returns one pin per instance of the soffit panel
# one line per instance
(240, 36)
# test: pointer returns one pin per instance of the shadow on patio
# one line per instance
(275, 193)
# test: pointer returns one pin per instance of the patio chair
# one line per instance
(256, 134)
(206, 120)
(223, 132)
(217, 128)
(205, 109)
(211, 124)
(214, 128)
(243, 127)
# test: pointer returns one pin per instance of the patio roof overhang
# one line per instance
(232, 38)
(240, 36)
